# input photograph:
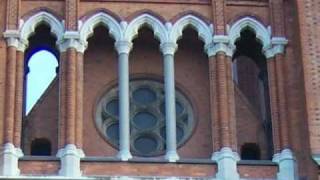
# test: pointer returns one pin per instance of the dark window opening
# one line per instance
(41, 147)
(250, 151)
(250, 74)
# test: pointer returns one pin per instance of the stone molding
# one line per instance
(168, 48)
(277, 46)
(71, 39)
(123, 47)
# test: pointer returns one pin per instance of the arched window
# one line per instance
(41, 88)
(251, 79)
(41, 147)
(41, 62)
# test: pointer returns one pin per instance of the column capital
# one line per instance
(220, 43)
(277, 46)
(168, 48)
(12, 38)
(123, 46)
(71, 39)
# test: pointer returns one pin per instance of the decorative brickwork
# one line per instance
(88, 67)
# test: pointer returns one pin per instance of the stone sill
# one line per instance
(150, 160)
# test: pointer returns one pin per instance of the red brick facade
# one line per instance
(226, 113)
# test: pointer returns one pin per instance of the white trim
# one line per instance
(227, 164)
(71, 39)
(277, 47)
(168, 48)
(70, 161)
(9, 156)
(287, 165)
(123, 47)
(159, 29)
(28, 27)
(262, 33)
(220, 43)
(205, 31)
(115, 28)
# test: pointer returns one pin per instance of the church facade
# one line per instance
(162, 89)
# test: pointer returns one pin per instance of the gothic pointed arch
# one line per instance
(262, 33)
(114, 27)
(153, 22)
(29, 26)
(204, 30)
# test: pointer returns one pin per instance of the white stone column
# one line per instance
(123, 48)
(168, 49)
(70, 156)
(9, 154)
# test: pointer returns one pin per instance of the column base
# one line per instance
(227, 164)
(70, 158)
(172, 156)
(9, 156)
(124, 155)
(287, 165)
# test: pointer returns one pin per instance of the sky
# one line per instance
(42, 70)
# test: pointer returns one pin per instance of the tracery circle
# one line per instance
(147, 118)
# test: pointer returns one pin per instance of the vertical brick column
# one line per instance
(223, 104)
(79, 100)
(71, 80)
(18, 114)
(10, 154)
(278, 99)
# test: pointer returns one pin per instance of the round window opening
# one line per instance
(147, 118)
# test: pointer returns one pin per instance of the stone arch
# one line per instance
(156, 25)
(114, 27)
(262, 33)
(28, 27)
(205, 31)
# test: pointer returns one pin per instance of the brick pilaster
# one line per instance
(277, 17)
(18, 99)
(218, 7)
(13, 14)
(10, 86)
(79, 100)
(274, 104)
(223, 102)
(278, 102)
(68, 95)
(214, 115)
(283, 123)
(71, 12)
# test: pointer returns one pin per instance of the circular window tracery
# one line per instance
(147, 118)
